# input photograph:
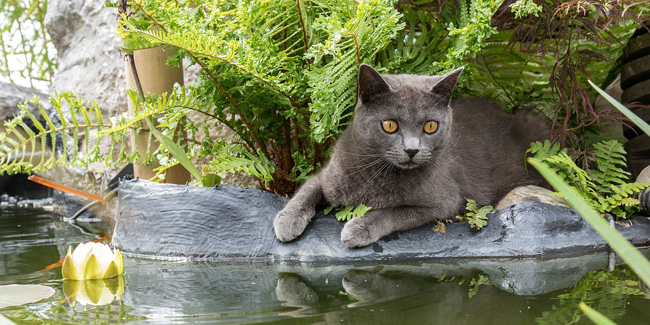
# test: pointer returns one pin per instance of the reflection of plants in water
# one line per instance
(604, 291)
(474, 283)
(88, 302)
(60, 313)
(346, 295)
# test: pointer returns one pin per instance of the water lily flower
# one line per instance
(94, 292)
(92, 261)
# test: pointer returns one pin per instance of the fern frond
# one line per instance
(233, 159)
(542, 151)
(610, 157)
(349, 212)
(566, 168)
(353, 31)
(417, 47)
(21, 146)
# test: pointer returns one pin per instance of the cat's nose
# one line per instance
(411, 152)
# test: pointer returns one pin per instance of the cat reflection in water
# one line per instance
(413, 155)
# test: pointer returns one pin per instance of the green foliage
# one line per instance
(27, 53)
(348, 213)
(234, 159)
(22, 143)
(286, 88)
(439, 41)
(637, 262)
(523, 8)
(70, 133)
(594, 316)
(541, 151)
(475, 216)
(605, 187)
(605, 291)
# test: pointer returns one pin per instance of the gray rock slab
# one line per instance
(88, 52)
(11, 95)
(230, 223)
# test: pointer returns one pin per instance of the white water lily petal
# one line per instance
(19, 294)
(104, 255)
(92, 261)
(81, 254)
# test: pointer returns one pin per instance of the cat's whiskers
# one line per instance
(386, 165)
(365, 166)
(361, 191)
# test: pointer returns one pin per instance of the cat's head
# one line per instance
(406, 119)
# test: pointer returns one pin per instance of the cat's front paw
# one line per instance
(288, 226)
(356, 233)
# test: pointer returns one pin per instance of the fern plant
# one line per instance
(605, 188)
(349, 212)
(21, 142)
(281, 74)
(475, 216)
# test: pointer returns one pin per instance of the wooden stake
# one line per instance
(156, 78)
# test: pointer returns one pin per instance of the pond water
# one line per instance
(423, 292)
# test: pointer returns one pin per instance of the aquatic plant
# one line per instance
(92, 261)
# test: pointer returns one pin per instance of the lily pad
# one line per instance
(22, 294)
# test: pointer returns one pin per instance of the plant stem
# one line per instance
(260, 144)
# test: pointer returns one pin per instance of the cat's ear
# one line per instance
(446, 84)
(370, 83)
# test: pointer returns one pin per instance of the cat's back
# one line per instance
(491, 145)
(485, 117)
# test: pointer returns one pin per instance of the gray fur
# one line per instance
(477, 152)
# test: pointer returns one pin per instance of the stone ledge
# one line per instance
(230, 223)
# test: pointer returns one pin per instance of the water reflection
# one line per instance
(96, 292)
(450, 291)
(499, 291)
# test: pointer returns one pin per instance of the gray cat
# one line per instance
(414, 155)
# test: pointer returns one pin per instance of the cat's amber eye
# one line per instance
(390, 126)
(430, 127)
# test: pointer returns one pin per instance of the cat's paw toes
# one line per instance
(288, 227)
(355, 233)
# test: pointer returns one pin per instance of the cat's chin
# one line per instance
(408, 165)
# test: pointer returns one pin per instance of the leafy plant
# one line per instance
(348, 213)
(281, 75)
(475, 216)
(605, 189)
(70, 121)
(20, 141)
(576, 41)
(637, 262)
(273, 87)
